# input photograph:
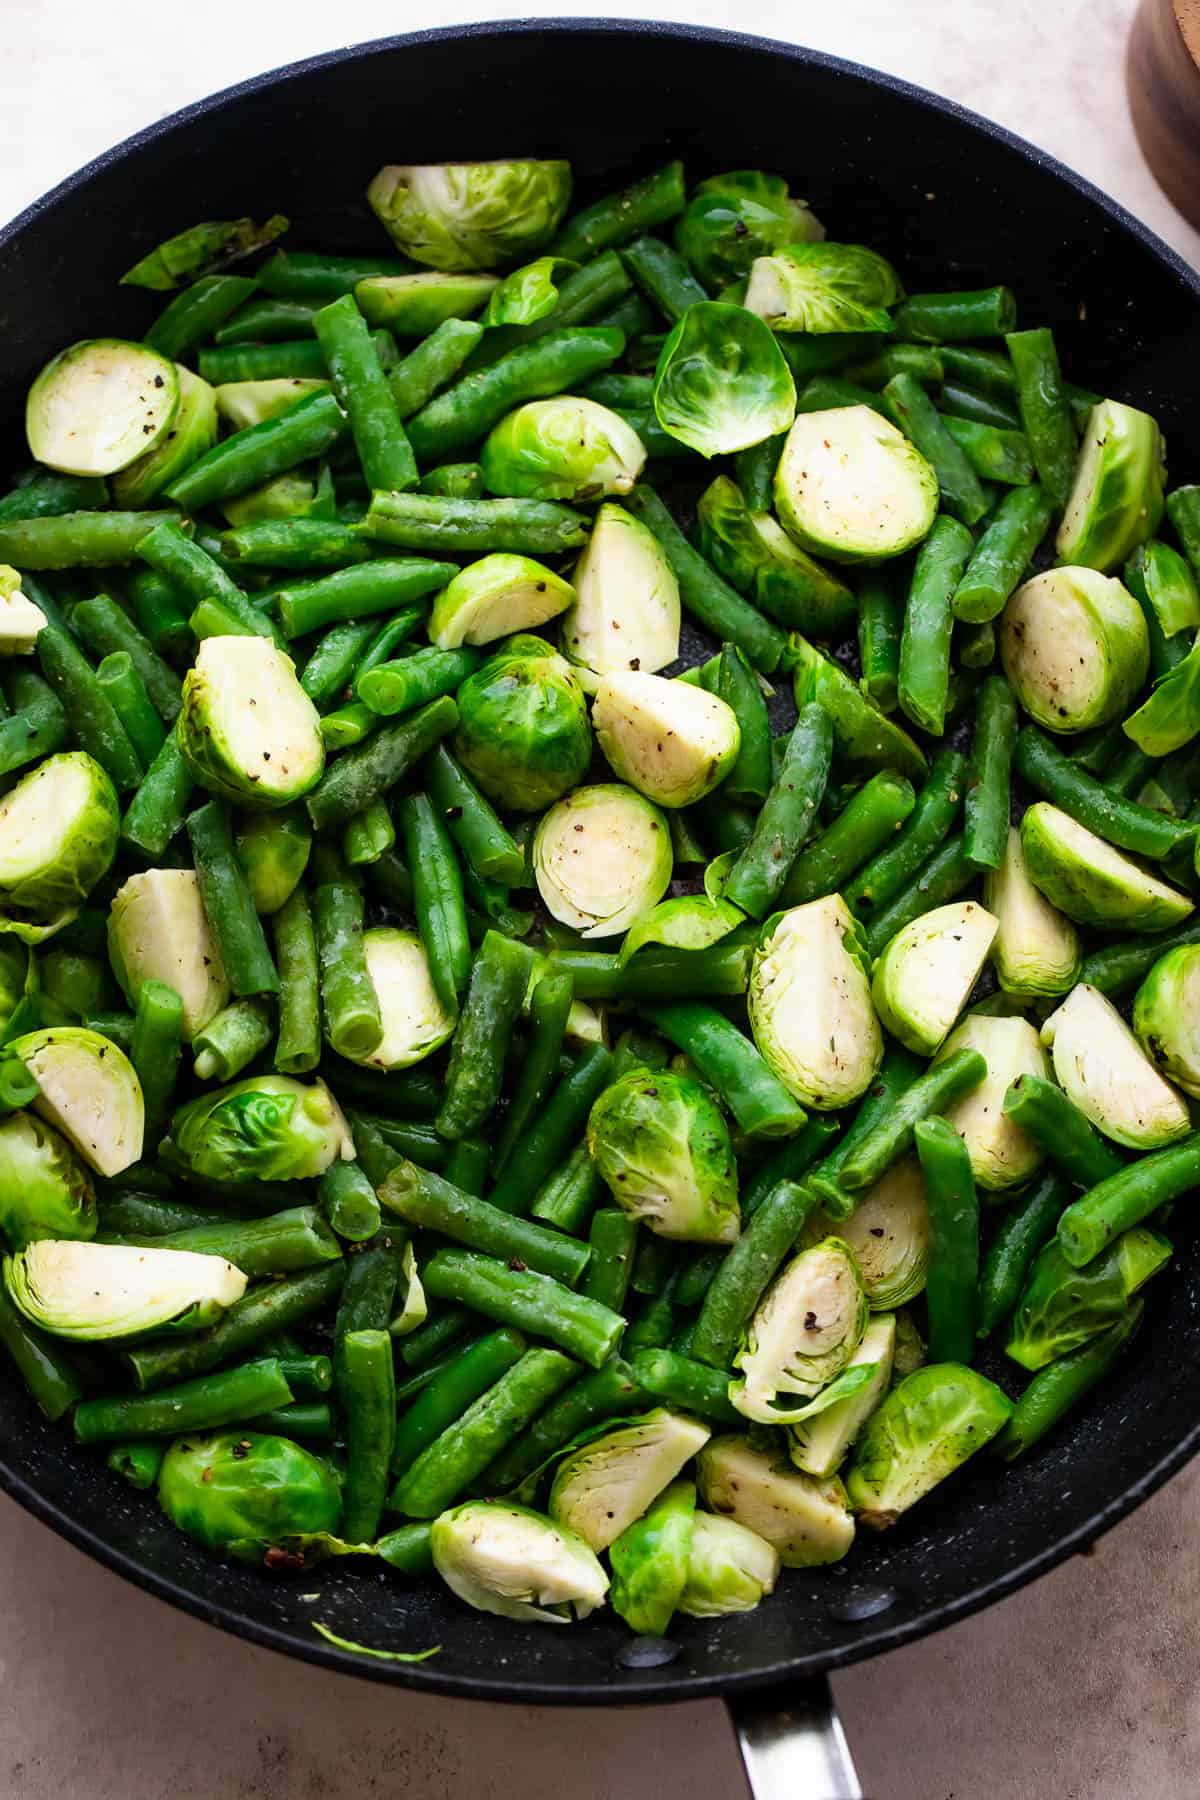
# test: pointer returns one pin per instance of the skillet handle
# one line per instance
(793, 1745)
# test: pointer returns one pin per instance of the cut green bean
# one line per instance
(924, 674)
(1115, 968)
(128, 698)
(362, 389)
(1055, 1389)
(156, 1048)
(910, 408)
(427, 1200)
(621, 216)
(570, 1194)
(428, 368)
(1094, 804)
(744, 1275)
(526, 1300)
(732, 1066)
(232, 1039)
(988, 791)
(36, 727)
(77, 540)
(612, 1239)
(366, 1390)
(349, 1202)
(1026, 1227)
(681, 1381)
(952, 1278)
(226, 1397)
(496, 992)
(349, 1002)
(450, 1393)
(871, 819)
(541, 1148)
(894, 867)
(228, 903)
(42, 1362)
(196, 312)
(549, 1007)
(106, 629)
(200, 578)
(1045, 411)
(880, 623)
(91, 716)
(942, 879)
(663, 276)
(892, 1135)
(367, 772)
(250, 457)
(607, 1393)
(763, 866)
(1126, 1197)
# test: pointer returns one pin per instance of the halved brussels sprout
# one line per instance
(266, 1128)
(603, 1487)
(810, 1004)
(1074, 647)
(96, 1291)
(245, 403)
(849, 485)
(1062, 1306)
(824, 287)
(820, 1442)
(1090, 880)
(626, 610)
(1117, 499)
(888, 1233)
(99, 405)
(733, 218)
(158, 930)
(804, 1331)
(242, 1493)
(45, 1191)
(523, 731)
(479, 215)
(730, 1569)
(415, 305)
(494, 597)
(88, 1091)
(248, 731)
(671, 741)
(721, 383)
(864, 738)
(805, 1521)
(415, 1023)
(928, 1426)
(650, 1560)
(58, 836)
(1002, 1155)
(567, 448)
(504, 1559)
(1101, 1066)
(272, 849)
(192, 432)
(756, 555)
(926, 973)
(20, 619)
(1035, 951)
(1166, 1016)
(661, 1143)
(601, 857)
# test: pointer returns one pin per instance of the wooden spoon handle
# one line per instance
(1163, 77)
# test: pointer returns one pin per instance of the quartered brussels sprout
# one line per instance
(158, 930)
(1101, 1066)
(481, 215)
(756, 555)
(1002, 1155)
(661, 1143)
(523, 731)
(415, 305)
(1117, 499)
(245, 403)
(266, 1128)
(730, 1569)
(1074, 647)
(823, 287)
(810, 1004)
(864, 738)
(20, 619)
(100, 405)
(600, 1489)
(849, 485)
(1166, 1016)
(888, 1233)
(193, 432)
(504, 1559)
(601, 857)
(804, 1331)
(96, 1291)
(733, 218)
(58, 836)
(820, 1442)
(670, 740)
(1062, 1306)
(242, 1493)
(928, 1426)
(1035, 951)
(626, 610)
(804, 1520)
(926, 973)
(415, 1023)
(1090, 880)
(248, 731)
(45, 1190)
(494, 597)
(88, 1091)
(272, 849)
(567, 448)
(721, 383)
(650, 1560)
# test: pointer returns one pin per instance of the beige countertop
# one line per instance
(1085, 1686)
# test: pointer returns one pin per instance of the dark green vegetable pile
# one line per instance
(473, 1097)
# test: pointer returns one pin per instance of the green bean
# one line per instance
(910, 408)
(408, 1548)
(663, 276)
(763, 866)
(496, 992)
(631, 316)
(368, 835)
(37, 725)
(871, 818)
(362, 389)
(438, 897)
(988, 371)
(264, 320)
(105, 628)
(90, 713)
(739, 1283)
(1127, 1197)
(77, 540)
(924, 675)
(986, 821)
(369, 1295)
(248, 458)
(117, 1027)
(483, 840)
(47, 494)
(151, 1216)
(825, 393)
(732, 1066)
(880, 623)
(158, 808)
(941, 880)
(232, 1039)
(421, 374)
(957, 317)
(365, 588)
(349, 1203)
(656, 974)
(681, 1381)
(749, 780)
(893, 868)
(612, 1238)
(294, 543)
(400, 1093)
(308, 1376)
(657, 1322)
(729, 827)
(448, 1327)
(228, 903)
(454, 481)
(366, 1389)
(228, 1397)
(654, 1266)
(1026, 1227)
(589, 296)
(952, 1280)
(553, 363)
(890, 1136)
(975, 645)
(42, 1362)
(200, 578)
(606, 1393)
(618, 217)
(541, 1148)
(426, 1200)
(195, 314)
(960, 401)
(529, 1301)
(450, 1393)
(280, 1244)
(549, 1006)
(155, 1052)
(994, 452)
(128, 698)
(427, 522)
(326, 674)
(1118, 820)
(366, 773)
(18, 1086)
(395, 687)
(137, 1463)
(1115, 968)
(311, 1419)
(912, 361)
(294, 359)
(298, 1041)
(349, 1002)
(1055, 1389)
(569, 1195)
(1045, 412)
(305, 275)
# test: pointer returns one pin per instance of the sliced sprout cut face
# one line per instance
(97, 1291)
(626, 611)
(888, 1235)
(926, 973)
(806, 1521)
(58, 837)
(810, 1004)
(494, 597)
(851, 487)
(804, 1331)
(1100, 1065)
(505, 1559)
(158, 930)
(1002, 1155)
(87, 1090)
(1117, 498)
(1166, 1017)
(1074, 647)
(248, 731)
(601, 1489)
(99, 405)
(245, 403)
(820, 1444)
(1036, 951)
(671, 741)
(730, 1568)
(602, 857)
(192, 432)
(45, 1188)
(1092, 881)
(415, 1023)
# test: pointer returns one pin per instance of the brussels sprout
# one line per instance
(245, 403)
(19, 983)
(850, 486)
(470, 215)
(504, 1559)
(671, 741)
(45, 1191)
(1166, 1016)
(566, 448)
(692, 922)
(272, 850)
(100, 405)
(910, 1351)
(58, 836)
(601, 857)
(1074, 647)
(1170, 717)
(88, 1091)
(601, 1488)
(415, 305)
(1002, 1155)
(96, 1291)
(266, 1128)
(248, 731)
(928, 1426)
(415, 1023)
(810, 1004)
(72, 986)
(242, 1494)
(922, 980)
(287, 496)
(1117, 500)
(661, 1143)
(495, 596)
(888, 1233)
(527, 294)
(823, 287)
(731, 219)
(20, 619)
(200, 250)
(1100, 1065)
(158, 930)
(864, 738)
(805, 1521)
(650, 1560)
(626, 610)
(1035, 951)
(820, 1442)
(523, 728)
(1091, 881)
(721, 383)
(1062, 1306)
(730, 1569)
(806, 1328)
(193, 431)
(756, 555)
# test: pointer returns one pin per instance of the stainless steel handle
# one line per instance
(793, 1745)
